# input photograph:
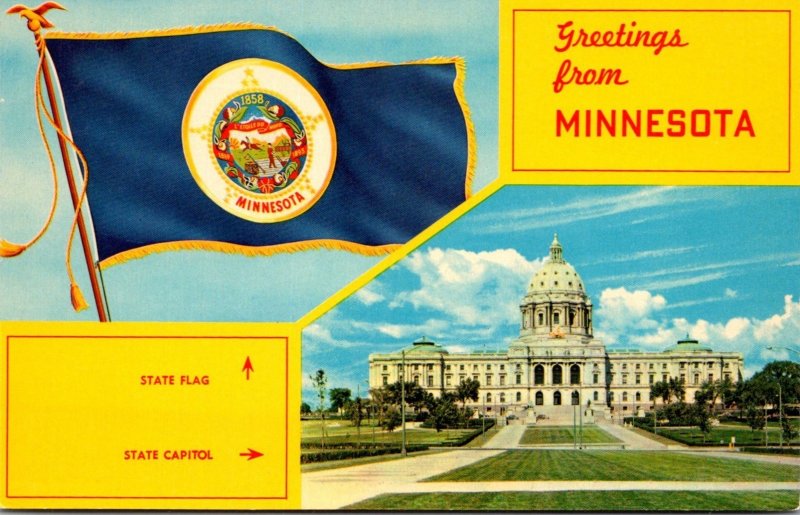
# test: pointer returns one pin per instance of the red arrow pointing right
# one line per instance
(252, 454)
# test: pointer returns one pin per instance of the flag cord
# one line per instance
(7, 248)
(78, 301)
(36, 21)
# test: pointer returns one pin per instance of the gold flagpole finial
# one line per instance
(35, 17)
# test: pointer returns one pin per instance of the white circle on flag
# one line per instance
(259, 140)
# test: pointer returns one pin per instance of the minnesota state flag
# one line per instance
(236, 138)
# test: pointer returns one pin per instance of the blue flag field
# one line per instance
(235, 138)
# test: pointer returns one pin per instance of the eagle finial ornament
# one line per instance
(35, 17)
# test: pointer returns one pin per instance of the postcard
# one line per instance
(472, 256)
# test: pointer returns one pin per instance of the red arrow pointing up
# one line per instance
(248, 367)
(252, 454)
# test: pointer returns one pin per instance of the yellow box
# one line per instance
(151, 415)
(677, 94)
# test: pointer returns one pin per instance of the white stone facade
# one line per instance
(556, 362)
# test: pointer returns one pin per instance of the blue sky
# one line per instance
(719, 263)
(205, 285)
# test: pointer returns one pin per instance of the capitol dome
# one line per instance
(556, 302)
(556, 274)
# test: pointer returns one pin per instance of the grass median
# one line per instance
(589, 465)
(564, 435)
(605, 501)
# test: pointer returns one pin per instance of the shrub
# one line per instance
(344, 454)
(773, 450)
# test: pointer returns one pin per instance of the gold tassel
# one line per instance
(77, 298)
(76, 295)
(8, 249)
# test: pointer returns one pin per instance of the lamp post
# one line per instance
(780, 414)
(371, 414)
(358, 416)
(483, 416)
(403, 451)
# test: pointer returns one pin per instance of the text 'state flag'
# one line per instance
(236, 138)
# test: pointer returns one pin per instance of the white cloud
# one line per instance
(730, 293)
(622, 311)
(368, 295)
(647, 254)
(679, 282)
(431, 328)
(781, 328)
(585, 208)
(471, 288)
(627, 317)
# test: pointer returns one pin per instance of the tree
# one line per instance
(467, 390)
(789, 430)
(415, 395)
(777, 384)
(702, 419)
(339, 398)
(677, 388)
(381, 401)
(755, 417)
(305, 408)
(727, 392)
(320, 383)
(443, 410)
(355, 411)
(392, 420)
(708, 393)
(661, 389)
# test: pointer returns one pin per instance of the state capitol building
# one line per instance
(556, 362)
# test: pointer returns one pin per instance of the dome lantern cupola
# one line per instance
(556, 252)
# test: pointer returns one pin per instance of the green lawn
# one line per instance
(721, 435)
(569, 465)
(564, 435)
(604, 501)
(342, 431)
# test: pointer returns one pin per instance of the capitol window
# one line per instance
(557, 374)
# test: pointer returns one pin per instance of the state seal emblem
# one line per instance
(259, 140)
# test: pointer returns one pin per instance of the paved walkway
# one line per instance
(631, 439)
(507, 438)
(336, 488)
(331, 489)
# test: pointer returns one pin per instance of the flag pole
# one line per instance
(36, 22)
